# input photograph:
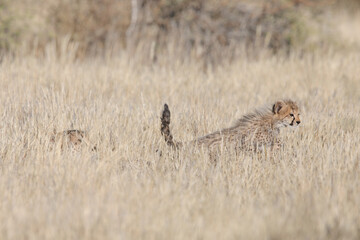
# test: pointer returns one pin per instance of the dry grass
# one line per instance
(310, 191)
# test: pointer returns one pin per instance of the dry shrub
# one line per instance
(210, 31)
(9, 32)
(213, 31)
(95, 25)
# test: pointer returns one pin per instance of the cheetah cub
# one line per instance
(253, 132)
(73, 139)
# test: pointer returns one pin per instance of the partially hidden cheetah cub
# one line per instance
(73, 139)
(253, 132)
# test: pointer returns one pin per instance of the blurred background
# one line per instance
(211, 31)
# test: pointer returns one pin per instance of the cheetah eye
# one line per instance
(291, 115)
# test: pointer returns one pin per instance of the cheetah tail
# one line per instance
(165, 128)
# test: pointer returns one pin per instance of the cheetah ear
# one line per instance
(277, 107)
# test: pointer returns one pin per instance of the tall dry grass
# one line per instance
(310, 190)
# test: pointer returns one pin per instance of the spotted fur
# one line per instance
(252, 132)
(74, 139)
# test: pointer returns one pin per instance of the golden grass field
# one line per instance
(125, 190)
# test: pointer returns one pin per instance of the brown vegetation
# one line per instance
(54, 78)
(210, 31)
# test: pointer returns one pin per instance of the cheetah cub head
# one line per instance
(286, 113)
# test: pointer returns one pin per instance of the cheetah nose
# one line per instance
(298, 122)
